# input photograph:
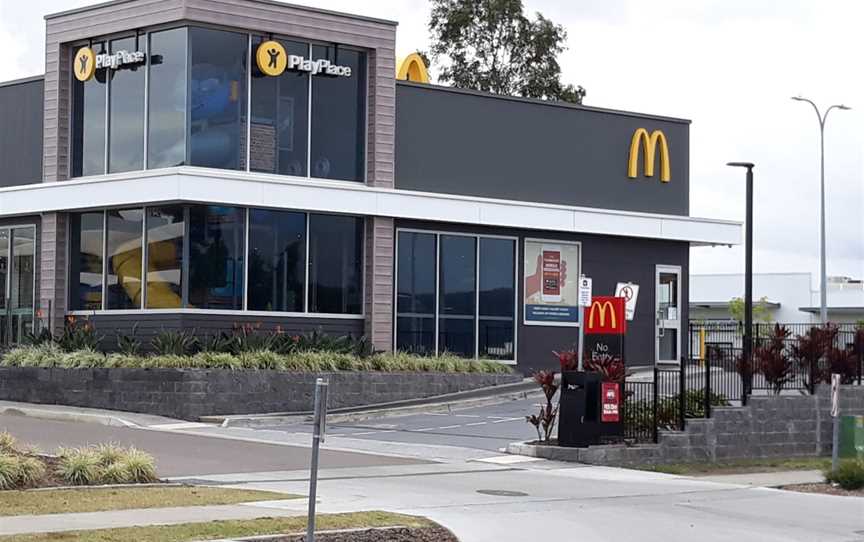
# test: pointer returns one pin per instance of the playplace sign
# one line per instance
(86, 62)
(273, 60)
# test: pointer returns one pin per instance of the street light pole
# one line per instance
(823, 275)
(748, 274)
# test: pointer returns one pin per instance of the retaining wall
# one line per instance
(769, 426)
(191, 393)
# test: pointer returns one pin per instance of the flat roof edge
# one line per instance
(537, 101)
(84, 9)
(22, 81)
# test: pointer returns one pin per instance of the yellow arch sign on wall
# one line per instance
(412, 68)
(649, 146)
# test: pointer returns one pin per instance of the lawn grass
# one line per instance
(215, 530)
(742, 466)
(61, 501)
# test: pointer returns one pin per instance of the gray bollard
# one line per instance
(319, 421)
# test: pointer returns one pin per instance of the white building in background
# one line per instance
(789, 297)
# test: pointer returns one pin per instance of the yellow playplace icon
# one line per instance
(84, 65)
(271, 58)
(649, 145)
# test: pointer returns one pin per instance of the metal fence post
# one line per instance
(682, 393)
(706, 398)
(859, 351)
(318, 431)
(656, 403)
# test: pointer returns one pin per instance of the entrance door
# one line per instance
(668, 314)
(17, 282)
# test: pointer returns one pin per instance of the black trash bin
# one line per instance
(579, 409)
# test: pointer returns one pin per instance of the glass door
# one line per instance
(668, 314)
(17, 282)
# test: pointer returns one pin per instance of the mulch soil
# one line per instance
(395, 534)
(825, 489)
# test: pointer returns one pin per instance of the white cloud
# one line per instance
(729, 65)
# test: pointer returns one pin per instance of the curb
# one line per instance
(67, 416)
(465, 399)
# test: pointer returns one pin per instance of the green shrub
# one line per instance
(174, 343)
(10, 471)
(261, 360)
(30, 471)
(120, 360)
(137, 467)
(217, 360)
(849, 475)
(8, 443)
(79, 467)
(116, 473)
(81, 359)
(129, 344)
(78, 335)
(168, 361)
(109, 454)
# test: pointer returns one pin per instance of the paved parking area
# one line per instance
(489, 427)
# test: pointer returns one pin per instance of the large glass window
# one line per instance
(216, 251)
(88, 122)
(85, 260)
(126, 112)
(165, 233)
(280, 117)
(217, 112)
(17, 251)
(339, 117)
(166, 126)
(124, 251)
(277, 254)
(472, 318)
(496, 311)
(415, 293)
(457, 294)
(335, 264)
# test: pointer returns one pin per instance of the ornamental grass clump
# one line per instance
(8, 443)
(849, 475)
(139, 467)
(10, 471)
(79, 466)
(80, 359)
(30, 471)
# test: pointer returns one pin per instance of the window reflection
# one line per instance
(415, 293)
(86, 241)
(88, 122)
(277, 253)
(339, 117)
(126, 119)
(216, 236)
(165, 234)
(217, 110)
(280, 117)
(125, 229)
(335, 264)
(497, 292)
(457, 295)
(166, 125)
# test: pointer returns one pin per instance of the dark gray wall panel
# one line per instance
(460, 142)
(21, 106)
(607, 260)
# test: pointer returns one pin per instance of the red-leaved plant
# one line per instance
(548, 413)
(812, 347)
(611, 368)
(772, 360)
(842, 361)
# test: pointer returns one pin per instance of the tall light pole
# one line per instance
(748, 276)
(823, 275)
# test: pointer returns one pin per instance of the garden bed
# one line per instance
(825, 489)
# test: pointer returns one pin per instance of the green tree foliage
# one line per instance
(490, 45)
(761, 312)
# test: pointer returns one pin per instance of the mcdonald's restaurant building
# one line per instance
(198, 164)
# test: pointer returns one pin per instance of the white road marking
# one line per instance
(509, 420)
(179, 425)
(475, 423)
(450, 427)
(508, 459)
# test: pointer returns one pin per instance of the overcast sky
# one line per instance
(728, 65)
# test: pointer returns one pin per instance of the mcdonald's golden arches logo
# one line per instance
(649, 144)
(412, 68)
(602, 309)
(84, 65)
(605, 316)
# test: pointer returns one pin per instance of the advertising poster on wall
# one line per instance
(551, 283)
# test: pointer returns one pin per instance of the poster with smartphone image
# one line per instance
(551, 283)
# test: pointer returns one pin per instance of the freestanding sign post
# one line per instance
(585, 284)
(319, 421)
(835, 415)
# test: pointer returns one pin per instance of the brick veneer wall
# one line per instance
(190, 393)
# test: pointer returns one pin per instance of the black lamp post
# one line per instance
(748, 278)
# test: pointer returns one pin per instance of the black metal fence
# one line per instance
(716, 374)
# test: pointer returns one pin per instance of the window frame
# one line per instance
(185, 269)
(144, 35)
(477, 237)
